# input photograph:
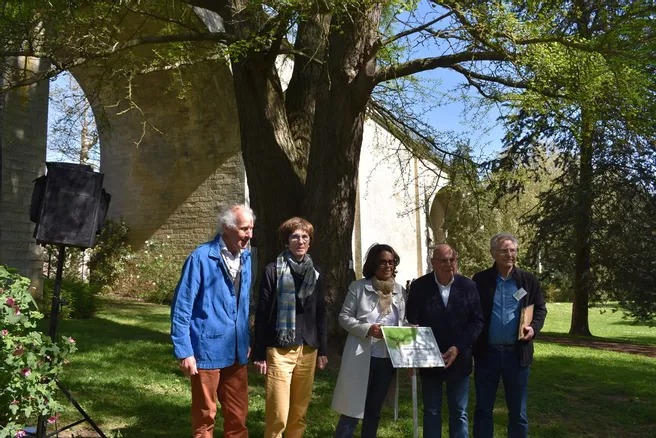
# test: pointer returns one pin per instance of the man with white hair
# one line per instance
(209, 324)
(514, 311)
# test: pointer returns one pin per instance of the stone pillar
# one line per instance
(24, 121)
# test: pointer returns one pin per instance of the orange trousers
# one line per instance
(230, 386)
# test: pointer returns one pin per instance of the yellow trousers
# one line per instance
(289, 380)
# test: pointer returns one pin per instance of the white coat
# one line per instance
(351, 388)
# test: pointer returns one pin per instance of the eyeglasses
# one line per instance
(300, 237)
(391, 263)
(507, 251)
(450, 261)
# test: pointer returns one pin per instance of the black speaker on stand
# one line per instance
(69, 207)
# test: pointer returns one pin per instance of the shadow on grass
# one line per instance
(576, 392)
(125, 377)
(649, 341)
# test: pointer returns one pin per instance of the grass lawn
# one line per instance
(126, 379)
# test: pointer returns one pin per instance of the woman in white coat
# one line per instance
(366, 370)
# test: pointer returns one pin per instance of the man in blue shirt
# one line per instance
(209, 325)
(505, 349)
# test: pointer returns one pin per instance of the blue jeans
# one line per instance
(500, 364)
(457, 396)
(381, 373)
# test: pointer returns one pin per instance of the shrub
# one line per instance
(557, 289)
(80, 299)
(110, 255)
(74, 263)
(151, 273)
(29, 360)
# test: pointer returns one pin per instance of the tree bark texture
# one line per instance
(331, 186)
(301, 147)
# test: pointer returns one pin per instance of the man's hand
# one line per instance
(322, 361)
(528, 333)
(375, 331)
(450, 356)
(188, 366)
(261, 366)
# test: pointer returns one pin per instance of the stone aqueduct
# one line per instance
(170, 154)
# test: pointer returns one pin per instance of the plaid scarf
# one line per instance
(286, 319)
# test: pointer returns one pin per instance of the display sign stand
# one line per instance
(412, 347)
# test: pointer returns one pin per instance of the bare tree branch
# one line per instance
(425, 64)
(469, 74)
(415, 29)
(410, 136)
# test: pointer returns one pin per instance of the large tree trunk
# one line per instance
(347, 83)
(583, 231)
(302, 150)
(273, 167)
(275, 187)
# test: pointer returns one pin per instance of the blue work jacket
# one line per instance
(208, 321)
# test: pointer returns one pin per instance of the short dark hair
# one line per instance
(292, 224)
(371, 262)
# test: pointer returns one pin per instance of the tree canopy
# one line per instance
(591, 108)
(302, 145)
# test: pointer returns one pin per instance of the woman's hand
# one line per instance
(375, 331)
(261, 366)
(322, 361)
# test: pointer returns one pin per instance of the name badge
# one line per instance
(521, 293)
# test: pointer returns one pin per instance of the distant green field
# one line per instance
(604, 323)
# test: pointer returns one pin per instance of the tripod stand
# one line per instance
(52, 332)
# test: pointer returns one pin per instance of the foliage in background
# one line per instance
(79, 299)
(75, 263)
(468, 214)
(111, 253)
(593, 111)
(625, 249)
(29, 360)
(472, 213)
(151, 273)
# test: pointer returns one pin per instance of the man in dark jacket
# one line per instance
(514, 312)
(449, 304)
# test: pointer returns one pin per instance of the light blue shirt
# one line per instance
(504, 324)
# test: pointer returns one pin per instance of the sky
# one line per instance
(482, 129)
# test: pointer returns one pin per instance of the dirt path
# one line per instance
(644, 350)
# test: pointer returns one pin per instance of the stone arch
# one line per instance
(168, 161)
(170, 154)
(437, 215)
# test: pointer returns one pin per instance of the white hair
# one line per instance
(227, 215)
(496, 240)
